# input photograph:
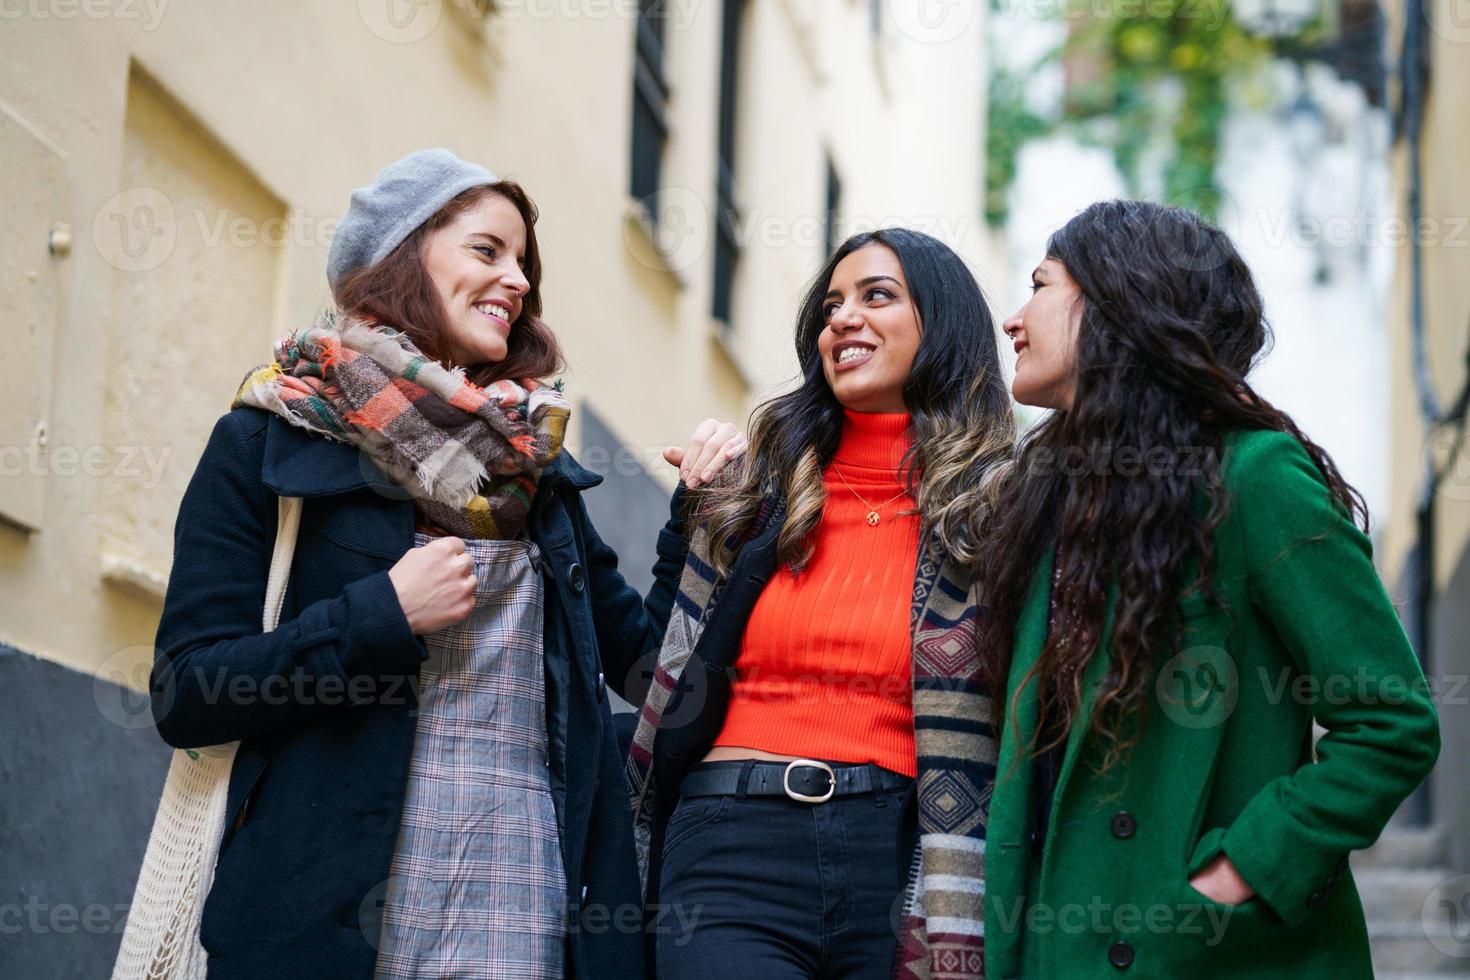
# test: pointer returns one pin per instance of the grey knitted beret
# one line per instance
(402, 197)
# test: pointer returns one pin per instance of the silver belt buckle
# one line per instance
(802, 797)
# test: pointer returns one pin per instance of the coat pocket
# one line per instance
(1203, 931)
(240, 812)
(364, 523)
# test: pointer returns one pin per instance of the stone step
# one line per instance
(1426, 847)
(1416, 950)
(1409, 896)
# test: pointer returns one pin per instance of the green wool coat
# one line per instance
(1225, 764)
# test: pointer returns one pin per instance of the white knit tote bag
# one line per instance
(161, 939)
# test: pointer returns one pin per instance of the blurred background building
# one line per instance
(1425, 538)
(1329, 140)
(174, 168)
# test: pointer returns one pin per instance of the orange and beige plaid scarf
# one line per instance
(470, 456)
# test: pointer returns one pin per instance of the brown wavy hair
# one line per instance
(398, 292)
(960, 425)
(1171, 325)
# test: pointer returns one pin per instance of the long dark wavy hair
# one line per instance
(1171, 324)
(961, 426)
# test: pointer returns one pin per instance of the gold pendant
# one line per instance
(872, 518)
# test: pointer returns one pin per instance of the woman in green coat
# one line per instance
(1180, 585)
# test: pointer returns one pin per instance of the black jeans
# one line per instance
(769, 888)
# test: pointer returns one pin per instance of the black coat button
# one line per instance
(1120, 954)
(601, 686)
(578, 578)
(1124, 825)
(1316, 899)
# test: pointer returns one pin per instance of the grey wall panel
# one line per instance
(629, 508)
(81, 770)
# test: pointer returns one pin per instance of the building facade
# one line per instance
(1425, 536)
(173, 175)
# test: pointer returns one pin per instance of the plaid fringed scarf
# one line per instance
(941, 933)
(470, 456)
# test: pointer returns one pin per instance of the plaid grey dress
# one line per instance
(476, 887)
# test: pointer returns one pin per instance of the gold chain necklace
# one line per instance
(872, 511)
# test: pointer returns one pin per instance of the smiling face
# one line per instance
(872, 331)
(1045, 334)
(475, 264)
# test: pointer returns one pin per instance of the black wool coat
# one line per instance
(324, 706)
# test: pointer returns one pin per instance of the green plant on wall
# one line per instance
(1142, 45)
(1009, 126)
(1120, 62)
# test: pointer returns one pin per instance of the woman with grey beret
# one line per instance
(427, 781)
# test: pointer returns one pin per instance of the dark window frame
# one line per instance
(650, 124)
(726, 238)
(834, 206)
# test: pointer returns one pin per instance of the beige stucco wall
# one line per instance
(1446, 288)
(1445, 237)
(199, 153)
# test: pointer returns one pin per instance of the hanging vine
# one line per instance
(1194, 46)
(1142, 71)
(1010, 125)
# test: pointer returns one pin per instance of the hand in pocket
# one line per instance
(1220, 882)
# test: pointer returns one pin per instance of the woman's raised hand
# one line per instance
(435, 585)
(713, 445)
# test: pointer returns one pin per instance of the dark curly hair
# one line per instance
(1171, 324)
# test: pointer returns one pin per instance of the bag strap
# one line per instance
(288, 521)
(161, 938)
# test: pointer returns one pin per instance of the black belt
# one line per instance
(804, 780)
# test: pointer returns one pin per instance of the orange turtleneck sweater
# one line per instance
(825, 667)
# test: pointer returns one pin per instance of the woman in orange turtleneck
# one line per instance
(824, 665)
(786, 851)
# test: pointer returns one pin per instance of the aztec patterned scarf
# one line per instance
(941, 932)
(469, 455)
